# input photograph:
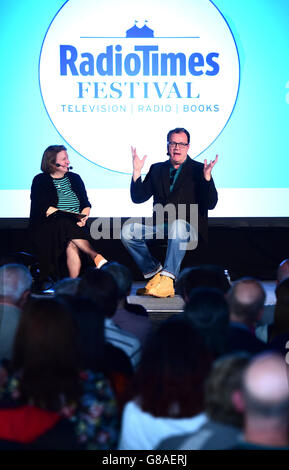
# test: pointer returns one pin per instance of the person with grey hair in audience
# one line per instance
(246, 300)
(264, 400)
(15, 287)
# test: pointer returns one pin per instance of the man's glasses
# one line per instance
(182, 145)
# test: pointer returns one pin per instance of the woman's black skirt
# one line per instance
(50, 238)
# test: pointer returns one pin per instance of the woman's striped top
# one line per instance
(67, 199)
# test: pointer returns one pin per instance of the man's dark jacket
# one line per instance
(189, 188)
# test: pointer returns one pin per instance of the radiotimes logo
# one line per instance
(114, 75)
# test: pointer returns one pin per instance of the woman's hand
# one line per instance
(82, 222)
(51, 210)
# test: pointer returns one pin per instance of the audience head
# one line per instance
(15, 284)
(264, 399)
(45, 354)
(208, 312)
(67, 286)
(204, 276)
(122, 276)
(11, 258)
(180, 284)
(100, 287)
(283, 270)
(246, 300)
(281, 311)
(224, 379)
(172, 371)
(90, 332)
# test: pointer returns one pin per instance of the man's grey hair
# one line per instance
(15, 279)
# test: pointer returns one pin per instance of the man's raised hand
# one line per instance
(137, 163)
(208, 168)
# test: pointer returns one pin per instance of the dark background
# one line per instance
(252, 247)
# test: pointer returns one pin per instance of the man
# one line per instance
(246, 300)
(15, 287)
(264, 400)
(179, 182)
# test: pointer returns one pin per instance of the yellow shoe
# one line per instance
(99, 261)
(152, 283)
(165, 288)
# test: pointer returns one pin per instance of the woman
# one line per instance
(47, 400)
(168, 398)
(53, 231)
(95, 353)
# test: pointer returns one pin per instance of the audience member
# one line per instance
(283, 271)
(96, 354)
(100, 287)
(44, 390)
(180, 282)
(223, 428)
(268, 315)
(67, 286)
(208, 312)
(246, 300)
(15, 287)
(168, 397)
(280, 322)
(278, 331)
(264, 400)
(206, 275)
(129, 317)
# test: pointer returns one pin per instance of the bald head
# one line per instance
(283, 270)
(246, 300)
(265, 386)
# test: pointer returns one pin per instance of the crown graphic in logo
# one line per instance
(136, 32)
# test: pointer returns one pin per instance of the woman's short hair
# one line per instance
(171, 375)
(101, 288)
(208, 311)
(206, 275)
(49, 158)
(90, 332)
(45, 354)
(122, 277)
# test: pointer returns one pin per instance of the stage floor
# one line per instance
(175, 304)
(161, 309)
